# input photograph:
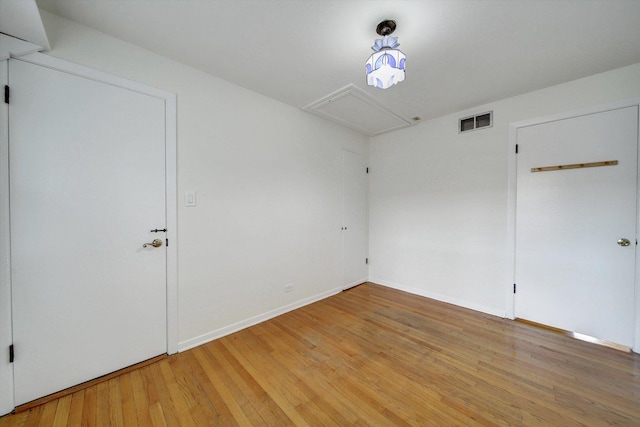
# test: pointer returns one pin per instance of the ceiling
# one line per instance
(460, 54)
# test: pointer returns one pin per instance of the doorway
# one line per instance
(354, 220)
(575, 222)
(92, 172)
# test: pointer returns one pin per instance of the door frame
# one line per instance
(6, 369)
(345, 286)
(512, 194)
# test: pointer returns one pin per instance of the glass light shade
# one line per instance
(385, 68)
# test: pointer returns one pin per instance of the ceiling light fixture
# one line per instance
(385, 67)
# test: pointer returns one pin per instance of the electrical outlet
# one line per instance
(288, 288)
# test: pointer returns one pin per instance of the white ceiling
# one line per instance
(460, 54)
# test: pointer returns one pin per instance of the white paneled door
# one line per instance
(87, 184)
(354, 220)
(576, 226)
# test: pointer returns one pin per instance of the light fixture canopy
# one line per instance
(386, 66)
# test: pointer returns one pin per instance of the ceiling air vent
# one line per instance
(479, 121)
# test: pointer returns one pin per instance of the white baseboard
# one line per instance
(227, 330)
(439, 297)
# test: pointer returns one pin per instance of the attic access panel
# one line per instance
(354, 108)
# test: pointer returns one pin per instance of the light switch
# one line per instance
(190, 198)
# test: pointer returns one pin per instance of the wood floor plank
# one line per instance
(276, 389)
(128, 401)
(177, 366)
(140, 398)
(102, 407)
(90, 406)
(14, 420)
(75, 410)
(82, 386)
(48, 414)
(166, 403)
(63, 407)
(252, 396)
(216, 378)
(314, 379)
(309, 376)
(116, 412)
(181, 404)
(368, 356)
(207, 395)
(286, 321)
(34, 416)
(157, 415)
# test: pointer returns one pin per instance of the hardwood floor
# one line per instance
(368, 356)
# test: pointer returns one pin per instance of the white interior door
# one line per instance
(355, 224)
(87, 184)
(570, 271)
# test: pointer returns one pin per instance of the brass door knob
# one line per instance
(156, 243)
(624, 242)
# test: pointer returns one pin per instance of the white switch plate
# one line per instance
(190, 198)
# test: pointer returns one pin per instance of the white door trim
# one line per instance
(6, 369)
(6, 333)
(511, 203)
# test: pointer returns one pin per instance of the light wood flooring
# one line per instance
(368, 356)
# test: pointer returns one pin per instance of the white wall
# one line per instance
(268, 182)
(438, 199)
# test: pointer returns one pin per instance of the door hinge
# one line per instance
(6, 94)
(167, 240)
(366, 260)
(367, 170)
(516, 148)
(11, 354)
(514, 288)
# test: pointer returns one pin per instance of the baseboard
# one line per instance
(227, 330)
(440, 297)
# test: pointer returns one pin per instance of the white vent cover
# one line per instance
(354, 108)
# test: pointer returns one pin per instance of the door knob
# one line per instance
(624, 242)
(156, 243)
